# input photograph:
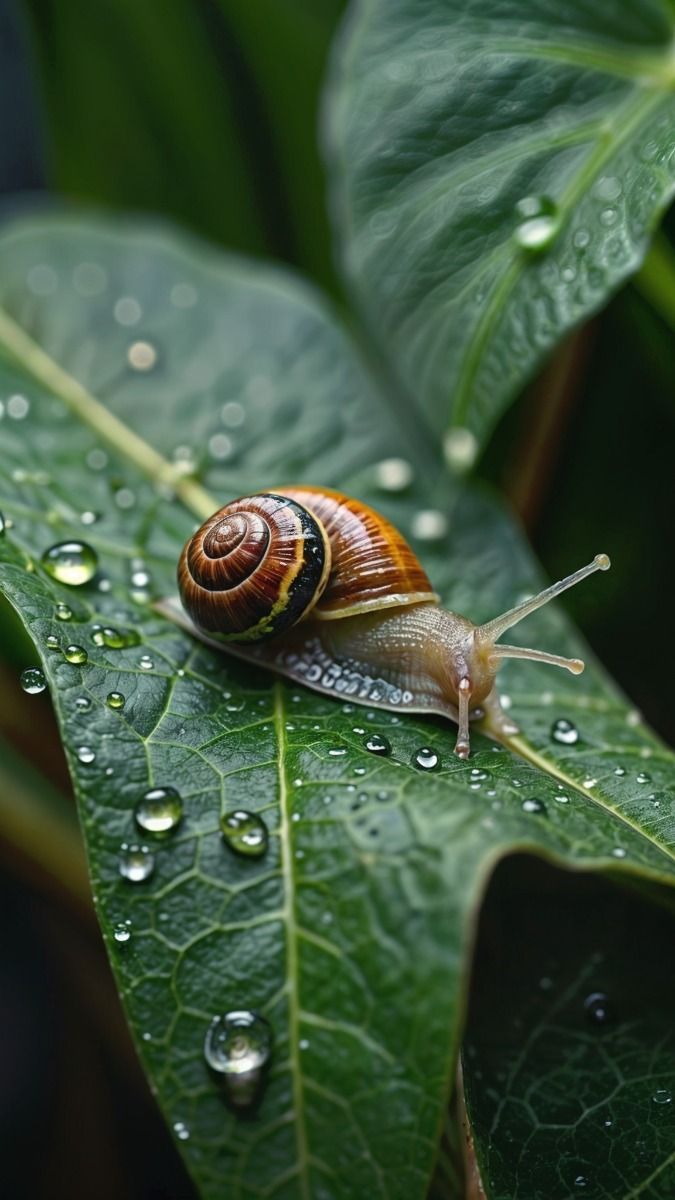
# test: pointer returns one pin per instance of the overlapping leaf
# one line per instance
(497, 169)
(352, 935)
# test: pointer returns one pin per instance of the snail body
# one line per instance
(324, 590)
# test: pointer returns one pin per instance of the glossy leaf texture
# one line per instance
(352, 935)
(497, 170)
(569, 1058)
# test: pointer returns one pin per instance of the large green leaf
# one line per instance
(569, 1060)
(497, 169)
(352, 936)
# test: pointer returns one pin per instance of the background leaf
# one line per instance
(497, 170)
(352, 936)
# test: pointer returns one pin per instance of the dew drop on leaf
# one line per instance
(643, 777)
(393, 474)
(73, 563)
(426, 759)
(63, 613)
(146, 663)
(136, 863)
(598, 1009)
(533, 805)
(33, 681)
(52, 642)
(237, 1047)
(564, 732)
(538, 223)
(122, 933)
(245, 833)
(86, 754)
(75, 654)
(376, 744)
(115, 700)
(662, 1096)
(159, 811)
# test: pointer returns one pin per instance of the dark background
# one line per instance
(206, 111)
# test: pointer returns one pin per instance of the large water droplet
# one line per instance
(33, 681)
(136, 863)
(122, 932)
(426, 759)
(159, 811)
(86, 754)
(662, 1096)
(598, 1009)
(376, 744)
(75, 654)
(115, 700)
(533, 805)
(237, 1047)
(537, 223)
(73, 563)
(63, 613)
(245, 833)
(565, 732)
(52, 642)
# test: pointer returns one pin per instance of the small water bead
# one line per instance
(63, 613)
(426, 759)
(136, 863)
(52, 642)
(76, 654)
(478, 776)
(581, 1181)
(429, 525)
(73, 563)
(619, 852)
(538, 223)
(181, 1131)
(237, 1047)
(337, 752)
(533, 805)
(619, 771)
(145, 663)
(589, 783)
(159, 811)
(245, 833)
(393, 474)
(83, 703)
(142, 356)
(33, 681)
(564, 732)
(376, 744)
(662, 1096)
(460, 448)
(125, 498)
(122, 933)
(113, 639)
(18, 407)
(115, 700)
(598, 1009)
(562, 799)
(86, 755)
(643, 777)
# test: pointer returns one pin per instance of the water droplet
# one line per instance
(115, 700)
(83, 703)
(73, 563)
(127, 311)
(33, 681)
(142, 356)
(145, 663)
(598, 1009)
(86, 754)
(337, 752)
(237, 1047)
(619, 852)
(562, 799)
(581, 239)
(136, 863)
(76, 654)
(122, 933)
(52, 642)
(662, 1096)
(245, 833)
(18, 407)
(608, 187)
(63, 613)
(537, 223)
(429, 525)
(112, 638)
(125, 498)
(565, 732)
(220, 446)
(426, 759)
(89, 517)
(580, 1181)
(393, 474)
(460, 448)
(589, 783)
(619, 771)
(643, 777)
(533, 805)
(376, 744)
(181, 1131)
(97, 459)
(159, 811)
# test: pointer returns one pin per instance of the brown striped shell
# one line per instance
(372, 564)
(255, 568)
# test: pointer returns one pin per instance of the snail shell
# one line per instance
(263, 563)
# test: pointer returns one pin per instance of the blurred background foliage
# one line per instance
(206, 112)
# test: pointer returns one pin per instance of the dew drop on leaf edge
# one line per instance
(245, 833)
(33, 681)
(73, 563)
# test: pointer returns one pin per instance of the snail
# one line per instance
(324, 590)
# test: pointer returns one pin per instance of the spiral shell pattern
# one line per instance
(255, 568)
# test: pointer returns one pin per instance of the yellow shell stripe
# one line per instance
(267, 623)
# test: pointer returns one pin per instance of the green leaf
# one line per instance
(497, 170)
(569, 1060)
(127, 354)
